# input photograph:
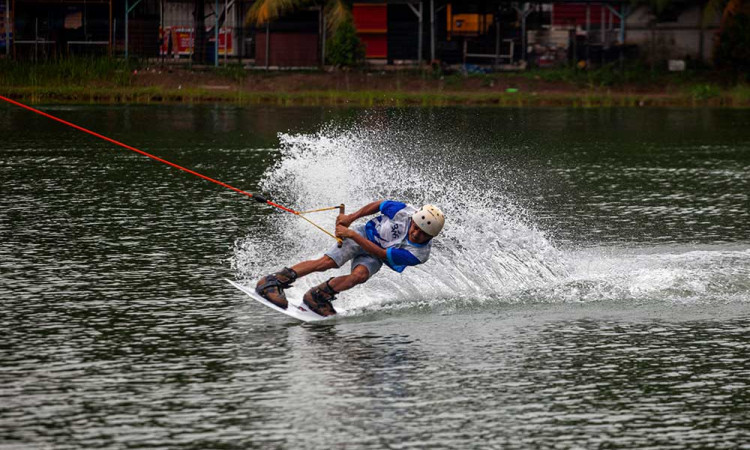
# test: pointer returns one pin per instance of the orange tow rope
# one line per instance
(255, 197)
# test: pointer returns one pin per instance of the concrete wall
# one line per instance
(678, 39)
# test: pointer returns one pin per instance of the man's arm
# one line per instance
(367, 210)
(342, 229)
(370, 247)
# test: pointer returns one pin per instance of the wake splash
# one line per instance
(490, 251)
(675, 274)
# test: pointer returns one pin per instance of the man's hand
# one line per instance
(370, 247)
(367, 210)
(343, 232)
(345, 219)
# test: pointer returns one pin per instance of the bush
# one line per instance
(344, 48)
(705, 91)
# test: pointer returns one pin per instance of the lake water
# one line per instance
(591, 288)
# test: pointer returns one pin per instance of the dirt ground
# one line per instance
(340, 80)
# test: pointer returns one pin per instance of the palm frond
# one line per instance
(264, 11)
(337, 12)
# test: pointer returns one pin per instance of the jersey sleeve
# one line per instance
(399, 259)
(390, 208)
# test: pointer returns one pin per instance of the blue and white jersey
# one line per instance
(391, 232)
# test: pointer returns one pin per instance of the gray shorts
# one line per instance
(350, 250)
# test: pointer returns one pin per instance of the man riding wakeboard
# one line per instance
(400, 237)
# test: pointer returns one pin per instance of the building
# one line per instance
(40, 29)
(483, 34)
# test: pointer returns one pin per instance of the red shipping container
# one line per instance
(371, 22)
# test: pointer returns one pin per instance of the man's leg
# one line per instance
(314, 265)
(271, 287)
(359, 275)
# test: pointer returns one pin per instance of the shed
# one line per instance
(40, 29)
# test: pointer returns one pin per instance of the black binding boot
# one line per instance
(319, 299)
(271, 287)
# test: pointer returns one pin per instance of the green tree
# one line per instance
(344, 48)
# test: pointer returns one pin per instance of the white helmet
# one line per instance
(429, 219)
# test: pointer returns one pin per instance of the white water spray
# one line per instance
(490, 251)
(486, 249)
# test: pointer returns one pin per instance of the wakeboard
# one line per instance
(296, 308)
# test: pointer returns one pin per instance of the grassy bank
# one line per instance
(116, 81)
(738, 97)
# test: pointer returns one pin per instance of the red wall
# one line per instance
(371, 22)
(288, 49)
(376, 46)
(370, 18)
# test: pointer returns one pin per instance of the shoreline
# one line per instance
(122, 84)
(150, 95)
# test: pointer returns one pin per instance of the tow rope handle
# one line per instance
(301, 214)
(341, 211)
